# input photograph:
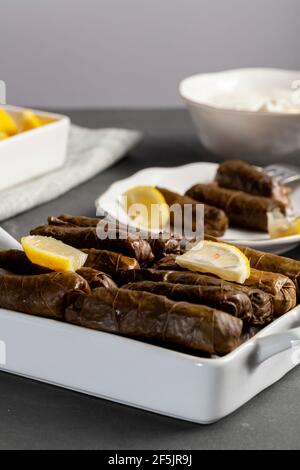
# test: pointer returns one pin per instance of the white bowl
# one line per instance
(35, 152)
(238, 133)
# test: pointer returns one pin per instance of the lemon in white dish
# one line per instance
(30, 121)
(146, 207)
(7, 123)
(226, 261)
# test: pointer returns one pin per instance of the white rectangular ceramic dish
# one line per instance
(145, 376)
(34, 152)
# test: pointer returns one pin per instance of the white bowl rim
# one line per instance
(244, 70)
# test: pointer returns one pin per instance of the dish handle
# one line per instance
(276, 343)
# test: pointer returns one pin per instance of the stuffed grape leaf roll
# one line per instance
(280, 287)
(17, 262)
(168, 262)
(148, 316)
(239, 175)
(96, 278)
(262, 305)
(109, 262)
(86, 237)
(215, 220)
(275, 264)
(160, 245)
(74, 220)
(98, 268)
(242, 209)
(226, 298)
(42, 294)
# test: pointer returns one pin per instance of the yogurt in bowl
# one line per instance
(246, 113)
(278, 101)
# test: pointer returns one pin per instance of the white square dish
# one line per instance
(35, 152)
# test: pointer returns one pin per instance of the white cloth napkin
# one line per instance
(89, 152)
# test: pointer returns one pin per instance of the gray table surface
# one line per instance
(39, 416)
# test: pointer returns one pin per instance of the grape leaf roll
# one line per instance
(86, 237)
(17, 262)
(242, 209)
(96, 278)
(42, 294)
(239, 175)
(109, 262)
(262, 305)
(74, 220)
(280, 287)
(148, 316)
(215, 220)
(160, 245)
(274, 263)
(223, 298)
(99, 265)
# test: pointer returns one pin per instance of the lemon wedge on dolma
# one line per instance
(30, 121)
(226, 261)
(7, 124)
(146, 207)
(52, 253)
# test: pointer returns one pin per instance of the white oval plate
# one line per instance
(179, 179)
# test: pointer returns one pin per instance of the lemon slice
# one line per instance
(146, 207)
(52, 253)
(7, 124)
(281, 226)
(30, 121)
(226, 261)
(297, 225)
(3, 136)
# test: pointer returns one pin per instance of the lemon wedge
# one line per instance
(3, 136)
(226, 261)
(7, 124)
(146, 207)
(297, 225)
(281, 226)
(52, 253)
(30, 121)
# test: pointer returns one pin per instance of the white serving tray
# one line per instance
(145, 376)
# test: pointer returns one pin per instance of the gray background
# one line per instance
(133, 53)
